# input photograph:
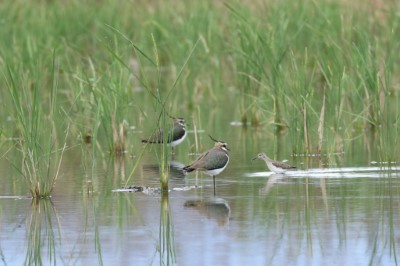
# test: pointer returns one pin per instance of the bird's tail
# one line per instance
(150, 141)
(187, 169)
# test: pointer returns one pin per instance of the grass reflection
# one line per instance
(383, 238)
(90, 223)
(166, 237)
(42, 235)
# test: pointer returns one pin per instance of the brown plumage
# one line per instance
(211, 162)
(274, 166)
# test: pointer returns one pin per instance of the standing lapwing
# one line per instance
(211, 162)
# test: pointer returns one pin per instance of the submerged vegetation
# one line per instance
(322, 72)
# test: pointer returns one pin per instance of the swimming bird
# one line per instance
(274, 166)
(211, 162)
(174, 137)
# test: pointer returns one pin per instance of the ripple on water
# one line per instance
(344, 172)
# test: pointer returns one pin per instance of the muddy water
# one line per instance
(344, 211)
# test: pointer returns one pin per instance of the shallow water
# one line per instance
(345, 212)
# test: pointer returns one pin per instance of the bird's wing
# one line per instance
(199, 163)
(177, 133)
(219, 158)
(158, 137)
(282, 165)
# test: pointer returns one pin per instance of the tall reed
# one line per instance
(288, 66)
(271, 60)
(39, 143)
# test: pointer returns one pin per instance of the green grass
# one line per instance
(322, 50)
(38, 139)
(268, 65)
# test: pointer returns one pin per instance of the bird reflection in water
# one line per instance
(175, 172)
(217, 209)
(272, 181)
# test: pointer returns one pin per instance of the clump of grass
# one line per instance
(111, 94)
(41, 153)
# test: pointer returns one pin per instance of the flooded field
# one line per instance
(347, 214)
(89, 90)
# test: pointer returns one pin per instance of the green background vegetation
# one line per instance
(322, 73)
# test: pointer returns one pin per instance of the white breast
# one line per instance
(178, 141)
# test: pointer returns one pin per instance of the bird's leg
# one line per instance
(214, 184)
(173, 153)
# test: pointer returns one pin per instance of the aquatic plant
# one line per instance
(38, 140)
(274, 70)
(295, 71)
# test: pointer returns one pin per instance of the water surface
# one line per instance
(345, 212)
